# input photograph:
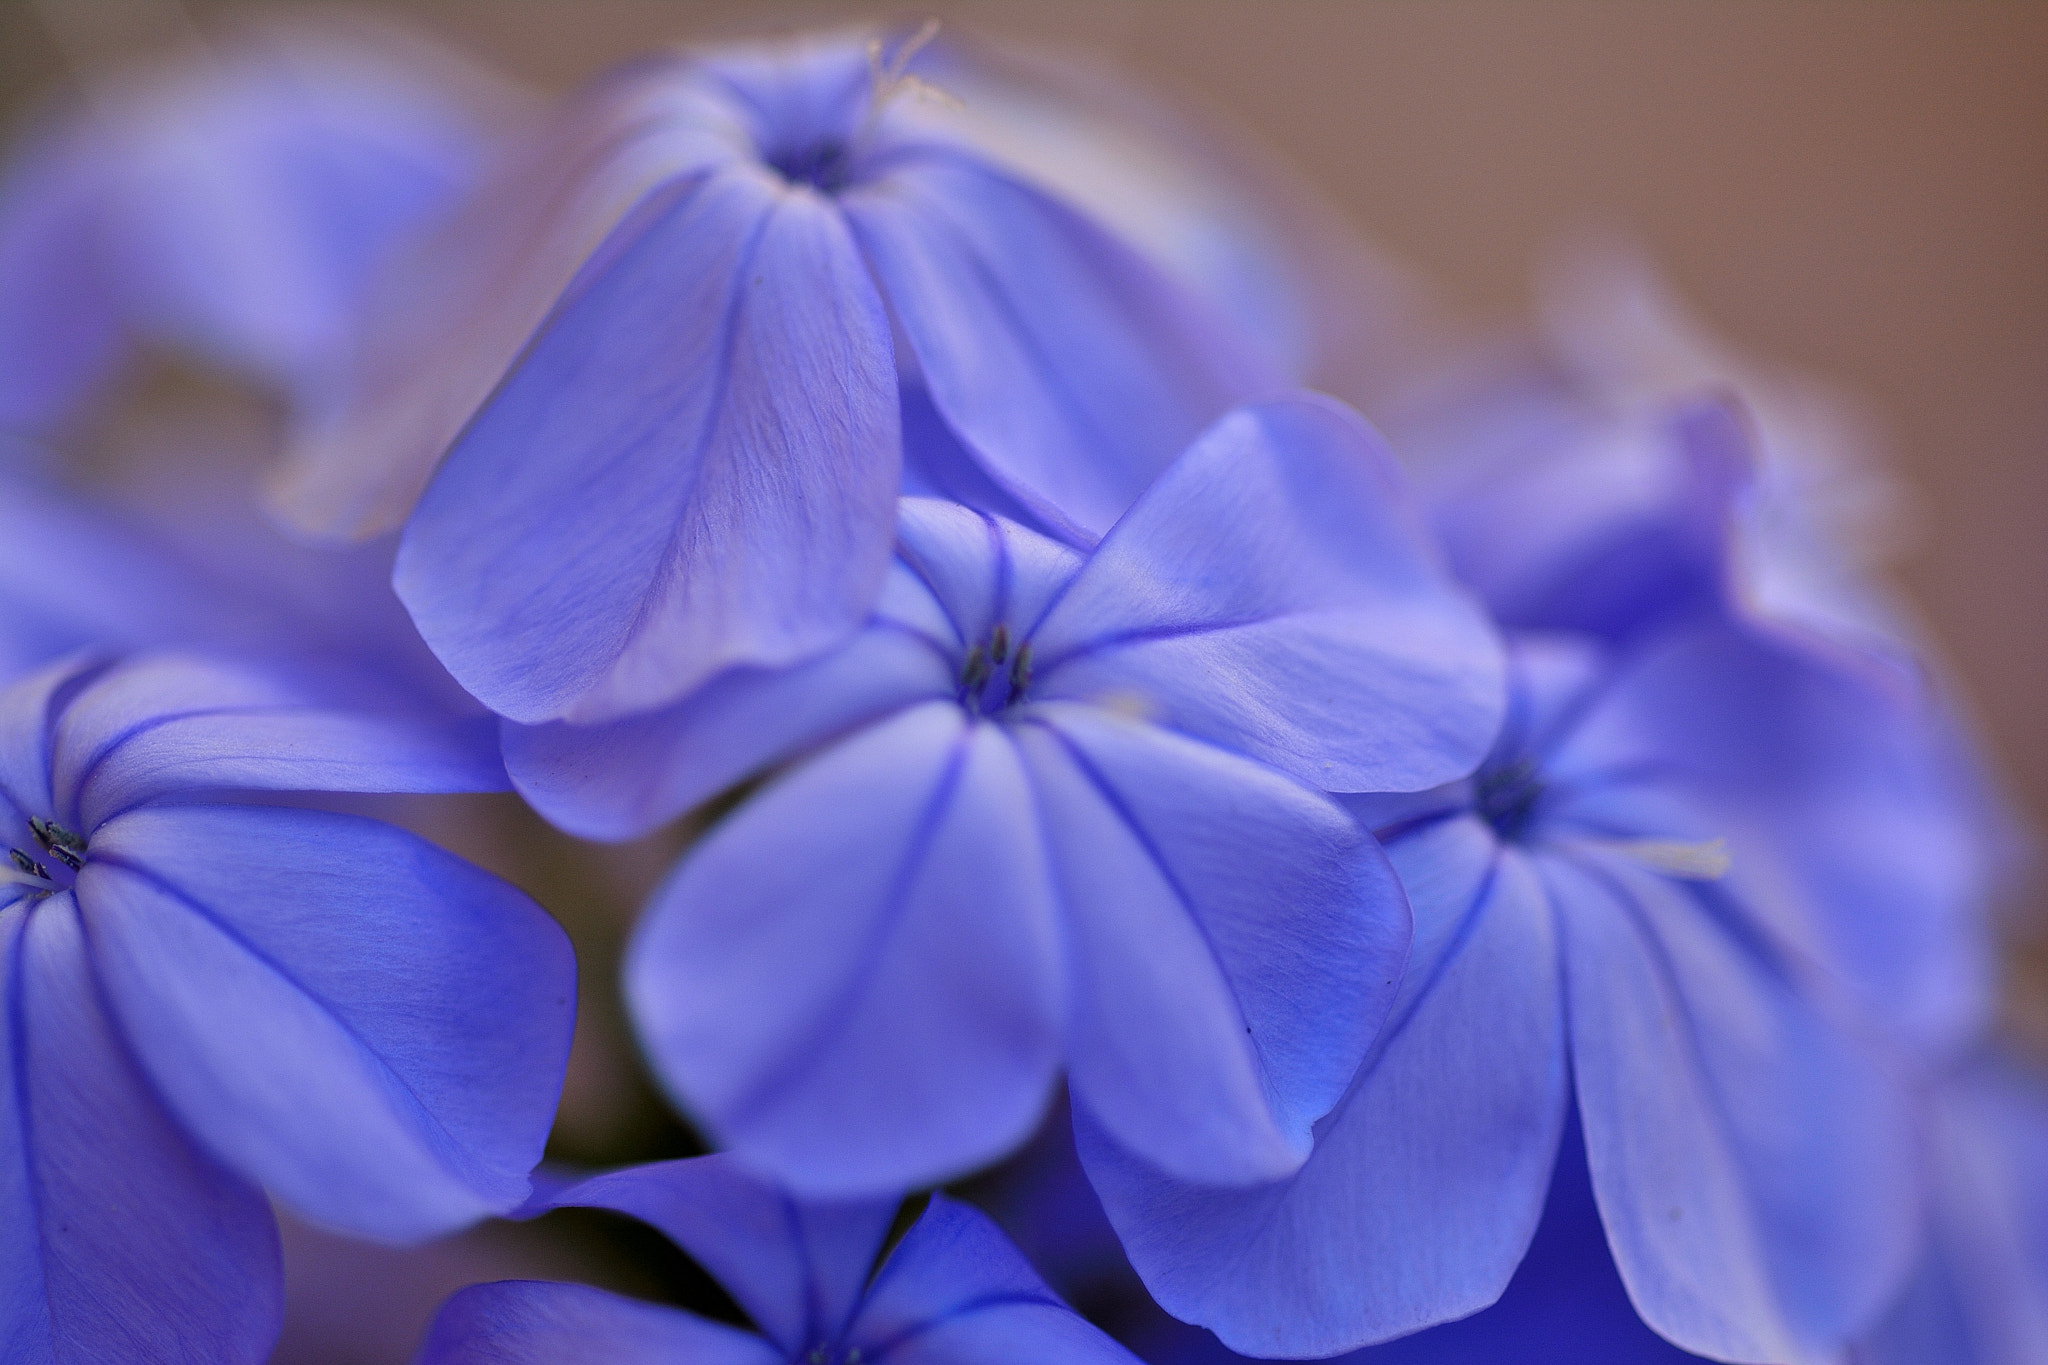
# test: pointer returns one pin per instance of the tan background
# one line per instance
(1859, 190)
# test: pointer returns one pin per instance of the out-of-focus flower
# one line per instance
(228, 203)
(953, 1289)
(204, 997)
(1638, 891)
(1051, 809)
(181, 556)
(1980, 1294)
(659, 361)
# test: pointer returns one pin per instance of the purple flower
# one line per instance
(1634, 904)
(229, 204)
(1052, 810)
(953, 1289)
(659, 362)
(205, 999)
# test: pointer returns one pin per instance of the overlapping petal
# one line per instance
(125, 1242)
(706, 431)
(955, 1289)
(374, 1029)
(1752, 1165)
(526, 1322)
(1234, 940)
(854, 978)
(797, 1267)
(1426, 1183)
(1071, 367)
(170, 723)
(1271, 593)
(621, 779)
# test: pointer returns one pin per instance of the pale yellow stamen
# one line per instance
(1703, 861)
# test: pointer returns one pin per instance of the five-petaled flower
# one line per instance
(1056, 809)
(202, 999)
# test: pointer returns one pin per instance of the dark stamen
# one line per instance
(975, 671)
(1020, 671)
(29, 865)
(65, 856)
(999, 644)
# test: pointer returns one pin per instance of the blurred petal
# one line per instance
(531, 1322)
(1752, 1165)
(169, 723)
(1069, 365)
(955, 1289)
(1859, 779)
(374, 1029)
(125, 1244)
(853, 980)
(694, 466)
(1426, 1183)
(1980, 1295)
(1607, 536)
(1272, 594)
(60, 320)
(1235, 941)
(622, 779)
(798, 1268)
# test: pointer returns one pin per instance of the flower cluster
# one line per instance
(1272, 865)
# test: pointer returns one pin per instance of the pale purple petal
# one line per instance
(619, 780)
(693, 467)
(374, 1029)
(796, 1267)
(955, 1289)
(1234, 938)
(125, 1244)
(982, 570)
(853, 979)
(1272, 594)
(1070, 366)
(28, 717)
(1753, 1166)
(533, 1322)
(1426, 1183)
(170, 723)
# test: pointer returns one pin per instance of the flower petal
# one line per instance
(798, 1268)
(1235, 941)
(125, 1244)
(1272, 594)
(374, 1029)
(531, 1322)
(28, 714)
(1857, 779)
(171, 723)
(981, 569)
(1427, 1181)
(622, 779)
(955, 1289)
(694, 466)
(1752, 1163)
(1070, 366)
(853, 979)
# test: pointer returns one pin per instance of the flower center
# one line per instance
(992, 677)
(831, 1355)
(1507, 797)
(824, 164)
(49, 859)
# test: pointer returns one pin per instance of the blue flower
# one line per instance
(1635, 903)
(229, 205)
(1052, 809)
(659, 362)
(953, 1289)
(203, 999)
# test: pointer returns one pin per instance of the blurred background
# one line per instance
(1856, 192)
